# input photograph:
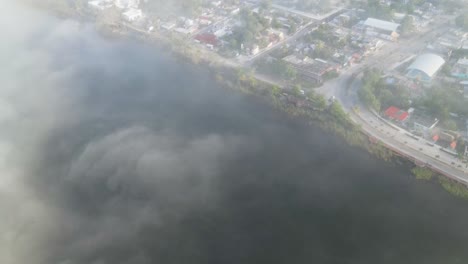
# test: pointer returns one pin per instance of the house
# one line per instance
(255, 50)
(313, 70)
(396, 114)
(132, 14)
(423, 124)
(207, 38)
(127, 4)
(446, 139)
(100, 4)
(168, 26)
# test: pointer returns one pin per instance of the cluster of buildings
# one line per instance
(329, 48)
(129, 8)
(378, 28)
(212, 20)
(318, 45)
(311, 70)
(423, 125)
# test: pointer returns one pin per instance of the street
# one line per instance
(397, 139)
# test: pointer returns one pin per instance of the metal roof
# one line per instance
(381, 24)
(427, 63)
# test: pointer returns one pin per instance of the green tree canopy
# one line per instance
(462, 21)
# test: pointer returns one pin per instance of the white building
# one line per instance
(168, 26)
(132, 14)
(127, 4)
(381, 28)
(100, 4)
(255, 50)
(425, 67)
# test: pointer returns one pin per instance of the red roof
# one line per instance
(453, 145)
(396, 113)
(207, 38)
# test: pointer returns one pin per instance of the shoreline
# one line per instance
(333, 118)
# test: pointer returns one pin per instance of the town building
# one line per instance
(381, 28)
(208, 39)
(422, 124)
(425, 67)
(132, 14)
(127, 4)
(460, 69)
(100, 4)
(464, 85)
(313, 70)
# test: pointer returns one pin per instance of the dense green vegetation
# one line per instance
(376, 94)
(279, 68)
(441, 100)
(375, 8)
(325, 42)
(321, 5)
(454, 188)
(183, 7)
(252, 25)
(422, 173)
(329, 116)
(462, 21)
(379, 9)
(407, 25)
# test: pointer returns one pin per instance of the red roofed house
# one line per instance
(395, 113)
(453, 145)
(207, 38)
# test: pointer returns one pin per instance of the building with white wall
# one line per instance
(132, 14)
(127, 4)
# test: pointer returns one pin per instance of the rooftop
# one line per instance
(381, 24)
(427, 63)
(207, 38)
(424, 120)
(396, 113)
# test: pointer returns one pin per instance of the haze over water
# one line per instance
(113, 152)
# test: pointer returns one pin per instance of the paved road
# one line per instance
(373, 125)
(346, 94)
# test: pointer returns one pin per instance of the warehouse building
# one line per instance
(425, 67)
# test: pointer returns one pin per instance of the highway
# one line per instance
(345, 87)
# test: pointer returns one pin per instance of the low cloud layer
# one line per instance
(67, 200)
(113, 153)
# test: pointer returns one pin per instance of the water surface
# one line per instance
(117, 153)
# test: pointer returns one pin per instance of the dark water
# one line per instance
(147, 160)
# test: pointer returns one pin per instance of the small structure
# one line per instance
(255, 49)
(100, 4)
(207, 38)
(125, 4)
(168, 26)
(460, 69)
(132, 14)
(425, 67)
(423, 125)
(381, 28)
(447, 139)
(396, 114)
(464, 85)
(312, 70)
